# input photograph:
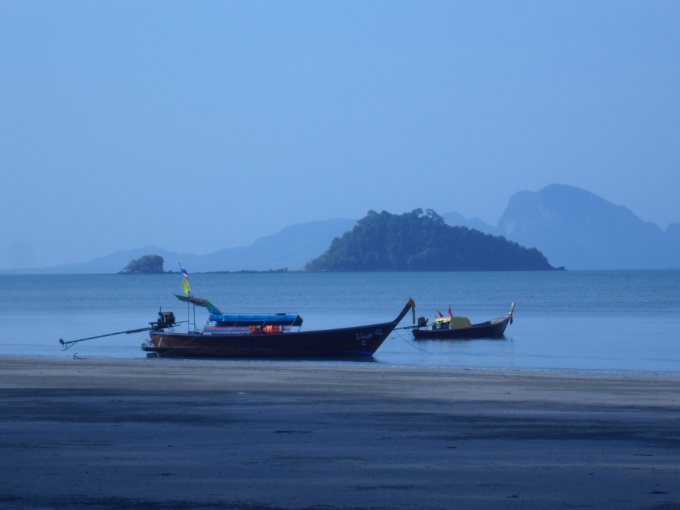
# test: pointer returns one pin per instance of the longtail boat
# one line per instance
(261, 336)
(454, 327)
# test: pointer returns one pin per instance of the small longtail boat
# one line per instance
(265, 336)
(454, 328)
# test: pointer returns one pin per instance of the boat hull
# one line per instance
(341, 343)
(490, 329)
(351, 342)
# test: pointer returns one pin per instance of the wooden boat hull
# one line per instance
(490, 329)
(351, 342)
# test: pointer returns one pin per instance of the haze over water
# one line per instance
(582, 320)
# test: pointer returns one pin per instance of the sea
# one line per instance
(610, 321)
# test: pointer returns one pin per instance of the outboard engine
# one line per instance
(165, 320)
(422, 322)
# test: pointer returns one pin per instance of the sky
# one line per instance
(198, 126)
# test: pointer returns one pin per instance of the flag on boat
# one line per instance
(450, 312)
(185, 281)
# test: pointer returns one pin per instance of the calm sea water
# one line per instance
(592, 320)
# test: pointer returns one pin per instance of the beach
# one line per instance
(194, 434)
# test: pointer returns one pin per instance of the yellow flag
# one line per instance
(185, 286)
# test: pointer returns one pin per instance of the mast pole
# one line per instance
(187, 290)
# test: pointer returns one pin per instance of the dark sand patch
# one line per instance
(277, 435)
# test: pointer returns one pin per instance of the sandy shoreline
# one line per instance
(109, 433)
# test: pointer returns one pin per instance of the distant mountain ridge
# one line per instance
(291, 248)
(570, 226)
(580, 230)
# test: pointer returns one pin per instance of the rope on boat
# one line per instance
(409, 343)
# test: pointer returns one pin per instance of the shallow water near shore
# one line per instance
(566, 320)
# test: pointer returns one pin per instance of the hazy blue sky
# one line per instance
(197, 126)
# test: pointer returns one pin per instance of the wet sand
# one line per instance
(174, 434)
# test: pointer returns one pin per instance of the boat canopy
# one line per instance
(242, 319)
(199, 302)
(245, 319)
(452, 322)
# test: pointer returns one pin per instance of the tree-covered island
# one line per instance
(148, 264)
(422, 241)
